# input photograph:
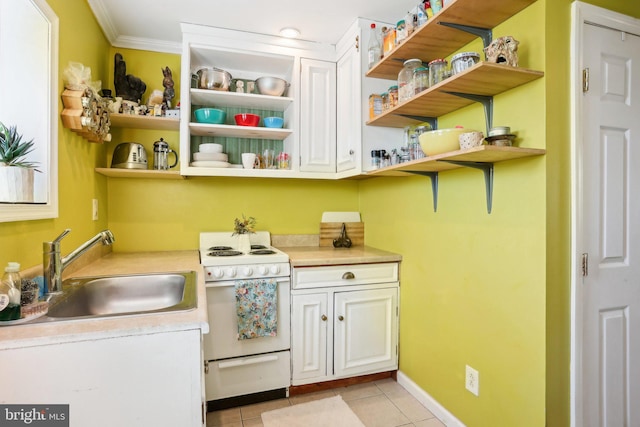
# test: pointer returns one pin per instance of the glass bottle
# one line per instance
(10, 293)
(405, 79)
(374, 49)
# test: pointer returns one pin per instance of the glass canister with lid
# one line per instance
(437, 71)
(464, 60)
(420, 79)
(405, 79)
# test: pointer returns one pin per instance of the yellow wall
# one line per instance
(491, 291)
(472, 283)
(81, 40)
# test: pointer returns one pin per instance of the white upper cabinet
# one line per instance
(355, 140)
(318, 116)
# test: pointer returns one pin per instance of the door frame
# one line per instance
(581, 15)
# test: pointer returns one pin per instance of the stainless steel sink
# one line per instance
(125, 295)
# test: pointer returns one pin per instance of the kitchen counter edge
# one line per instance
(27, 335)
(309, 256)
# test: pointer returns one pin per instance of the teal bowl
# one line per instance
(211, 116)
(273, 122)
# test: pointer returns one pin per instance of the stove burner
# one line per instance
(262, 252)
(220, 248)
(224, 253)
(258, 247)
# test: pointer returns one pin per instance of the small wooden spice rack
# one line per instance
(86, 115)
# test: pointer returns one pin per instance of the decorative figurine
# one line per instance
(129, 87)
(503, 50)
(169, 92)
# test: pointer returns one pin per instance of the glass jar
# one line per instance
(437, 71)
(405, 79)
(393, 96)
(420, 79)
(375, 105)
(385, 101)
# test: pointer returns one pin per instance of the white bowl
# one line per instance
(470, 139)
(210, 148)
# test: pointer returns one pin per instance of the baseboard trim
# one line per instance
(429, 402)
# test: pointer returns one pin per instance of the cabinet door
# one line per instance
(318, 116)
(366, 331)
(349, 134)
(309, 320)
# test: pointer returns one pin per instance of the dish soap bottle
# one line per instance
(10, 293)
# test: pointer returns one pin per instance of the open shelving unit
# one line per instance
(452, 28)
(139, 173)
(144, 122)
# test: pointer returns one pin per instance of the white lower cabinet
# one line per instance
(130, 381)
(343, 331)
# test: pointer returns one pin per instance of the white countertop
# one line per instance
(27, 335)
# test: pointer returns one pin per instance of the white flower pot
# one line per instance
(16, 184)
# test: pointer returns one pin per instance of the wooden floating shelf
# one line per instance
(139, 173)
(432, 40)
(144, 122)
(438, 163)
(202, 129)
(484, 78)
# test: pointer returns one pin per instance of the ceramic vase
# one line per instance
(244, 243)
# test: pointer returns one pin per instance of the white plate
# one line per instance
(210, 164)
(218, 157)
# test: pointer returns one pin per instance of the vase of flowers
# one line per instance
(16, 173)
(243, 228)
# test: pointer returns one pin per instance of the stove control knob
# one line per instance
(248, 271)
(216, 272)
(275, 269)
(263, 270)
(231, 272)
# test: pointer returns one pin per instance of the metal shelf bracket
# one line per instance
(433, 121)
(434, 185)
(484, 33)
(486, 101)
(487, 168)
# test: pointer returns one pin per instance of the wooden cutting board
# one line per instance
(332, 230)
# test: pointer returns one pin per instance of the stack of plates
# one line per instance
(210, 160)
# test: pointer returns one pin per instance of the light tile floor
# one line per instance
(382, 403)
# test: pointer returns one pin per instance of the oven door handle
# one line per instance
(245, 362)
(279, 280)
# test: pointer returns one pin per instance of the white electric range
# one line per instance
(251, 370)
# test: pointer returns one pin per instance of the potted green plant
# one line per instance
(16, 172)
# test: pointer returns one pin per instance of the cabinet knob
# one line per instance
(341, 318)
(348, 275)
(324, 318)
(351, 152)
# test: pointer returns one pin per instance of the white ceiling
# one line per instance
(155, 24)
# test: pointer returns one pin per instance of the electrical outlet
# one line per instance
(94, 210)
(472, 380)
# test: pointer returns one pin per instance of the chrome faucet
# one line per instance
(53, 263)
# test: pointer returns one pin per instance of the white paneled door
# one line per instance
(609, 167)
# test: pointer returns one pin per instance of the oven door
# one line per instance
(222, 340)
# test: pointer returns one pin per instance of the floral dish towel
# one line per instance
(256, 307)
